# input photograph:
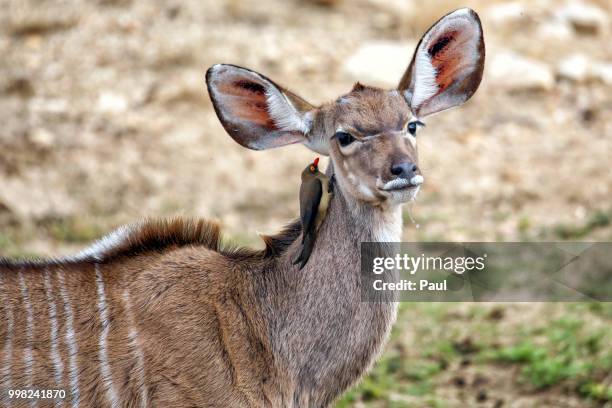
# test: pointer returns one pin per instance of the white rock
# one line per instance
(575, 67)
(584, 17)
(603, 72)
(511, 71)
(112, 102)
(379, 62)
(506, 13)
(555, 29)
(580, 68)
(41, 137)
(48, 105)
(399, 7)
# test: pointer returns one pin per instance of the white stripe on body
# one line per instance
(7, 354)
(28, 360)
(105, 369)
(72, 344)
(56, 359)
(136, 350)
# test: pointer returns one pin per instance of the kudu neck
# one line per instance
(321, 325)
(364, 221)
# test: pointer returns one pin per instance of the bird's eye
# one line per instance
(344, 138)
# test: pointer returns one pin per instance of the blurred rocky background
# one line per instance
(105, 119)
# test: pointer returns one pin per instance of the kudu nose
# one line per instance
(405, 170)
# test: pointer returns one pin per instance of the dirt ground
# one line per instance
(105, 119)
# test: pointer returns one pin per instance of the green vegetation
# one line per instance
(72, 229)
(391, 376)
(10, 246)
(6, 243)
(567, 348)
(596, 220)
(69, 230)
(566, 352)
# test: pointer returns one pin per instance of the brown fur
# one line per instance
(204, 318)
(160, 235)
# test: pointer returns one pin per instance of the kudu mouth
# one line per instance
(403, 183)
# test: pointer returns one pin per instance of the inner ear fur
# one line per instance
(256, 112)
(447, 65)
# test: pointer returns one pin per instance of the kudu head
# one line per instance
(369, 133)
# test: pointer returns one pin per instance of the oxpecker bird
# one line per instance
(315, 193)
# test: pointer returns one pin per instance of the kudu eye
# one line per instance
(344, 138)
(413, 126)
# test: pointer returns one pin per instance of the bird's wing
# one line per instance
(310, 197)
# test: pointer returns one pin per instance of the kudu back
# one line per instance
(161, 314)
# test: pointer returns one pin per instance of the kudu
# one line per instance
(160, 314)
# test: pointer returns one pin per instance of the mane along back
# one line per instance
(158, 235)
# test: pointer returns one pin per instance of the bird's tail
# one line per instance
(307, 246)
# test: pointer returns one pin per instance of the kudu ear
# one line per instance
(256, 112)
(447, 65)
